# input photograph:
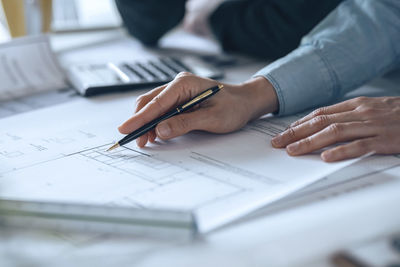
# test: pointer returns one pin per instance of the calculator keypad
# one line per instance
(91, 79)
(164, 69)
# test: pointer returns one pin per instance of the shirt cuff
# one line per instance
(302, 80)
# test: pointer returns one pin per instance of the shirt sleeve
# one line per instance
(358, 41)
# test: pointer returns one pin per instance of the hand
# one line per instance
(228, 110)
(197, 14)
(369, 125)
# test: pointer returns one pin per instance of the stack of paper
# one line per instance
(28, 66)
(56, 156)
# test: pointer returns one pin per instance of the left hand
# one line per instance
(368, 125)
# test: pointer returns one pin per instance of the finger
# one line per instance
(152, 136)
(184, 87)
(344, 106)
(141, 101)
(354, 149)
(184, 123)
(337, 132)
(142, 140)
(293, 134)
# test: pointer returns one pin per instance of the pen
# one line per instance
(151, 125)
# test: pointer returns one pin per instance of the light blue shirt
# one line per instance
(355, 43)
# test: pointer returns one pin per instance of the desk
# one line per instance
(302, 234)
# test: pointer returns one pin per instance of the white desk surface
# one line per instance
(358, 204)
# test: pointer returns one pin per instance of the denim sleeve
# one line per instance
(357, 42)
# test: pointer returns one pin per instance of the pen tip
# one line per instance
(113, 147)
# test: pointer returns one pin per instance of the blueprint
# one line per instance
(217, 178)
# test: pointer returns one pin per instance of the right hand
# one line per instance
(228, 110)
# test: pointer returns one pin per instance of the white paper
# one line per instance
(371, 172)
(28, 66)
(58, 154)
(85, 15)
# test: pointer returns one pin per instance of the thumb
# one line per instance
(183, 123)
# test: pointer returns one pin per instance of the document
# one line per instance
(371, 172)
(58, 154)
(28, 66)
(36, 101)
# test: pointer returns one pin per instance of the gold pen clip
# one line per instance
(200, 97)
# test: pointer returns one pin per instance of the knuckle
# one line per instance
(158, 88)
(335, 129)
(320, 121)
(319, 111)
(388, 100)
(306, 142)
(157, 101)
(362, 98)
(291, 133)
(183, 74)
(367, 111)
(182, 83)
(141, 99)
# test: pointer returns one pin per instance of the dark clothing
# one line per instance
(266, 29)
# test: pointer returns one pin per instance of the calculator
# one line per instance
(94, 79)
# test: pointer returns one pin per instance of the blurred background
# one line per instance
(30, 17)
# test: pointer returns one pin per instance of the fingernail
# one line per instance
(138, 142)
(277, 139)
(164, 130)
(326, 156)
(293, 147)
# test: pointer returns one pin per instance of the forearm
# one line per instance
(354, 44)
(149, 20)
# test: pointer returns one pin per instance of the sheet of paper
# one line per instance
(36, 101)
(58, 154)
(28, 66)
(80, 15)
(19, 247)
(370, 172)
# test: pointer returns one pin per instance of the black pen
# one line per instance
(151, 125)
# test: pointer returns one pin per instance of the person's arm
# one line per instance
(148, 20)
(357, 42)
(266, 29)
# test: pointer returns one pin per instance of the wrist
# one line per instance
(261, 97)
